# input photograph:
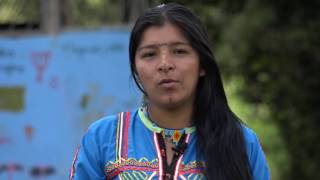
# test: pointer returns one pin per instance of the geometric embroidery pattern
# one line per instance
(114, 168)
(195, 177)
(132, 168)
(134, 175)
(137, 169)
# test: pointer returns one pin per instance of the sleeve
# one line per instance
(257, 159)
(87, 162)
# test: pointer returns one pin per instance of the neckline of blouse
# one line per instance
(153, 127)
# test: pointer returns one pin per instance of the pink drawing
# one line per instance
(54, 82)
(10, 169)
(40, 61)
(28, 130)
(4, 140)
(42, 172)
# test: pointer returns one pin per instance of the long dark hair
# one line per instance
(219, 131)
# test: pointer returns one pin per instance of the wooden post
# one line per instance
(137, 7)
(50, 16)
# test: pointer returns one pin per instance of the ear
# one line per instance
(202, 72)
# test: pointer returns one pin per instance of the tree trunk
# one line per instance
(50, 16)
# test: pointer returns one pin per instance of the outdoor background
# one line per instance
(64, 64)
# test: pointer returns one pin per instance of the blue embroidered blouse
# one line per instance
(126, 146)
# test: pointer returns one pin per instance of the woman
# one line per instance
(185, 129)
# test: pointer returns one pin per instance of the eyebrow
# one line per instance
(157, 45)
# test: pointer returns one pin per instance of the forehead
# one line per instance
(166, 34)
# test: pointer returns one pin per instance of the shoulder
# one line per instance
(256, 156)
(108, 124)
(103, 123)
(251, 140)
(249, 135)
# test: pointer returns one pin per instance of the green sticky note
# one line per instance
(12, 98)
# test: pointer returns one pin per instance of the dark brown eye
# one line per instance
(180, 51)
(148, 55)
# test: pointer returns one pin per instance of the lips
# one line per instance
(167, 82)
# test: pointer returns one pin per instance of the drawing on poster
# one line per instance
(54, 82)
(92, 49)
(40, 61)
(10, 169)
(6, 53)
(10, 69)
(42, 171)
(50, 94)
(29, 130)
(4, 139)
(12, 98)
(94, 104)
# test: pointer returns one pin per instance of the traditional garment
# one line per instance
(129, 146)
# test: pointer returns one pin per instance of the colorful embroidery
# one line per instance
(128, 166)
(192, 167)
(72, 171)
(112, 169)
(153, 127)
(131, 168)
(122, 135)
(118, 135)
(134, 175)
(173, 135)
(125, 135)
(195, 177)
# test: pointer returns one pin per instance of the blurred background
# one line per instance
(64, 64)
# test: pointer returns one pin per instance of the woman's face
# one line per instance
(167, 67)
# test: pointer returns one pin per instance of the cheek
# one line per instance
(144, 74)
(139, 69)
(193, 75)
(195, 69)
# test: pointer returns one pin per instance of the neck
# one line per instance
(176, 118)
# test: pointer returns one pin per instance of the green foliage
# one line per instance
(19, 11)
(274, 47)
(259, 118)
(93, 13)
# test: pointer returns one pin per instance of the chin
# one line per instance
(171, 104)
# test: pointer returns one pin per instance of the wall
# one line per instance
(51, 89)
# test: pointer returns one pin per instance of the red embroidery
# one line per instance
(72, 170)
(125, 140)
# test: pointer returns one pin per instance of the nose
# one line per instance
(166, 63)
